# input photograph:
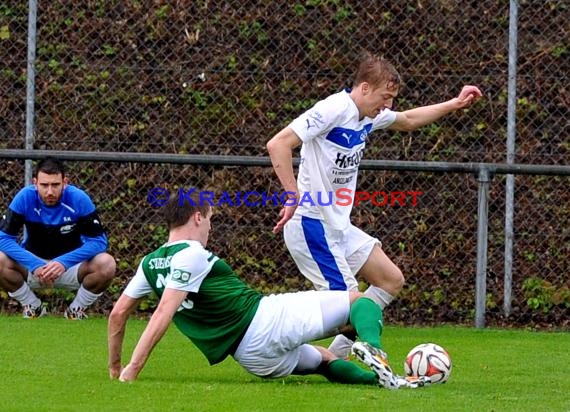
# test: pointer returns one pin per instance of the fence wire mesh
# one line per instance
(223, 77)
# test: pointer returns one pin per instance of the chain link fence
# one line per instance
(206, 77)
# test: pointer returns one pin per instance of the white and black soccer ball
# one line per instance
(429, 359)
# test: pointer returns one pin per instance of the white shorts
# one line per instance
(283, 323)
(327, 257)
(68, 280)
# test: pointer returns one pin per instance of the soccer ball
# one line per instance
(429, 359)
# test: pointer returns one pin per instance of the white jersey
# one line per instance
(333, 144)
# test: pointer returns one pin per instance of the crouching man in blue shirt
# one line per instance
(64, 244)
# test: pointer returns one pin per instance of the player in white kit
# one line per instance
(326, 247)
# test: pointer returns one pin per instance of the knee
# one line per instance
(4, 260)
(5, 263)
(391, 281)
(398, 280)
(105, 266)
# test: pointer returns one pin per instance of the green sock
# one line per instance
(341, 371)
(366, 317)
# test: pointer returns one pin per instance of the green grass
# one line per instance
(51, 364)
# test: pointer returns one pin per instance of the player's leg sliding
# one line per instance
(340, 346)
(413, 382)
(376, 360)
(314, 359)
(366, 317)
(342, 371)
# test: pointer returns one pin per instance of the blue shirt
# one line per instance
(69, 232)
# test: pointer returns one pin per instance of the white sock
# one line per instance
(84, 298)
(378, 295)
(26, 296)
(341, 346)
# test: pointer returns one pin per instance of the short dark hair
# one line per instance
(50, 166)
(181, 207)
(377, 71)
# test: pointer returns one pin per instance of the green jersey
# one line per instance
(219, 306)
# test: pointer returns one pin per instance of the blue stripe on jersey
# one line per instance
(315, 237)
(348, 137)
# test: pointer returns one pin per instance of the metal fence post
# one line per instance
(511, 135)
(483, 178)
(31, 84)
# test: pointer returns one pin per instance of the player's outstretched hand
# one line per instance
(128, 374)
(115, 371)
(468, 95)
(284, 215)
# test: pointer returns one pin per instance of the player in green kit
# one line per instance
(267, 335)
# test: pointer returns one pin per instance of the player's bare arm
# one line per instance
(280, 149)
(415, 118)
(116, 331)
(157, 326)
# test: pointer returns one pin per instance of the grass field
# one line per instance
(52, 364)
